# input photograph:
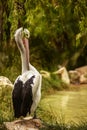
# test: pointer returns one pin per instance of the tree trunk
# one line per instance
(1, 25)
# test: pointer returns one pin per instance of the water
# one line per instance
(69, 106)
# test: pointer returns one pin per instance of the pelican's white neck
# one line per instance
(23, 47)
(25, 56)
(25, 65)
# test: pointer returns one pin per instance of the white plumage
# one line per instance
(27, 87)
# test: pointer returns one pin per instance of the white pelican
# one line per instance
(27, 87)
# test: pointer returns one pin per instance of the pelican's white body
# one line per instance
(27, 69)
(36, 86)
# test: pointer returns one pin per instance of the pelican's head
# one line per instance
(21, 37)
(26, 33)
(22, 33)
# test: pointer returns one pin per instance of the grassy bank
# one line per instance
(72, 126)
(50, 118)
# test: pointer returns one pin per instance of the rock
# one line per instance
(63, 74)
(45, 74)
(4, 81)
(83, 79)
(24, 124)
(83, 74)
(74, 76)
(79, 75)
(82, 70)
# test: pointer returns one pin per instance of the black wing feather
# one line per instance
(27, 97)
(17, 99)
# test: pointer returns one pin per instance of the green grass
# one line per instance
(66, 106)
(52, 84)
(6, 113)
(52, 121)
(65, 110)
(72, 126)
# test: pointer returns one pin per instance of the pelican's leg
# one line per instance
(35, 115)
(21, 118)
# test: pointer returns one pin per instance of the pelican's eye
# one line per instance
(26, 35)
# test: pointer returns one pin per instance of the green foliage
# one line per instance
(6, 113)
(57, 27)
(51, 84)
(12, 67)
